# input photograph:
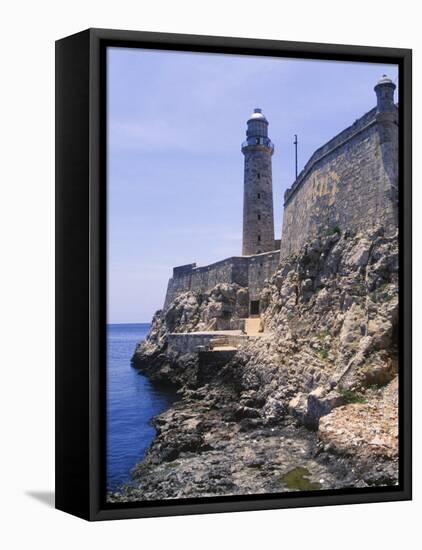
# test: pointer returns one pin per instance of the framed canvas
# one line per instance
(233, 274)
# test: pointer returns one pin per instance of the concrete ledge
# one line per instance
(193, 342)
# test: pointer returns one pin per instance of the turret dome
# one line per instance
(384, 80)
(258, 115)
(257, 131)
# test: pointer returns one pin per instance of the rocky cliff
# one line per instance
(311, 404)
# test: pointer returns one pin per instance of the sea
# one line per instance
(132, 401)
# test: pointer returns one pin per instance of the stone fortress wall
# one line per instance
(261, 268)
(246, 271)
(349, 183)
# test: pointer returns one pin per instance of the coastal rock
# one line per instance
(359, 255)
(309, 408)
(366, 431)
(302, 395)
(220, 309)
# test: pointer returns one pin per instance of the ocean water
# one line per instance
(131, 403)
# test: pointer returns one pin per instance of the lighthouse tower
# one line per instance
(258, 215)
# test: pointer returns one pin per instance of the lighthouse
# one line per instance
(258, 211)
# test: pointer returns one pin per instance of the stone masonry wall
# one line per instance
(258, 216)
(180, 282)
(349, 183)
(231, 270)
(261, 268)
(205, 278)
(246, 271)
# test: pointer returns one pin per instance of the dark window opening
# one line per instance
(259, 176)
(259, 195)
(259, 216)
(254, 307)
(259, 238)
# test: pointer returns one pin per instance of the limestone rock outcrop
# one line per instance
(220, 309)
(299, 396)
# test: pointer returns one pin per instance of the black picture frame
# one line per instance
(81, 271)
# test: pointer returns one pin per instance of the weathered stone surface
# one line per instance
(209, 453)
(258, 216)
(309, 408)
(248, 272)
(367, 431)
(191, 313)
(315, 398)
(350, 183)
(237, 428)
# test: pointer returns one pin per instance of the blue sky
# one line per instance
(175, 170)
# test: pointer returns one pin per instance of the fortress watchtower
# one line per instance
(385, 95)
(258, 214)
